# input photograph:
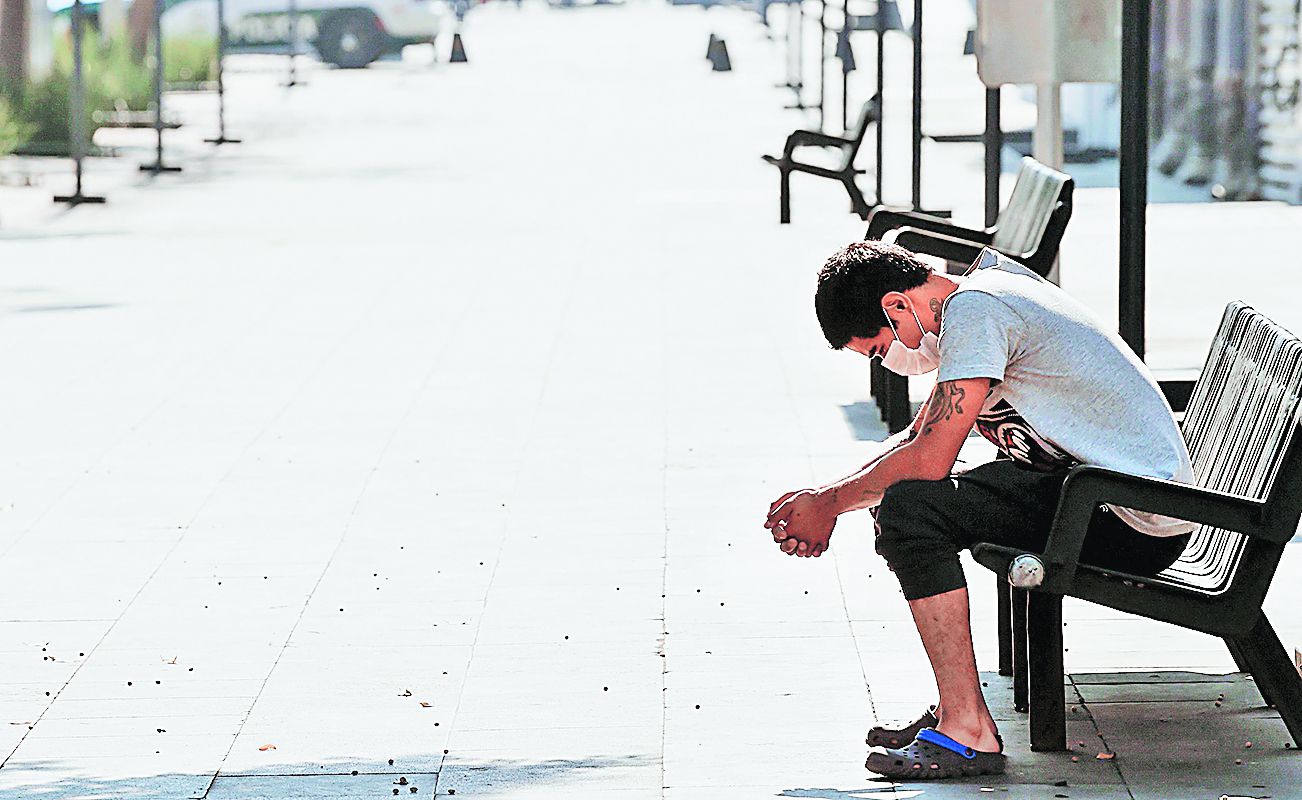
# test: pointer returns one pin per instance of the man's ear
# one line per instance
(894, 301)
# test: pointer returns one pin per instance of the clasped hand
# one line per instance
(801, 523)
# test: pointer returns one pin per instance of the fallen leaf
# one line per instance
(405, 693)
(267, 747)
(423, 704)
(1106, 756)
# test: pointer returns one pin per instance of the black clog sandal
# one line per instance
(935, 756)
(881, 736)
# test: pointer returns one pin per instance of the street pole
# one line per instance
(221, 138)
(158, 165)
(293, 44)
(799, 86)
(917, 105)
(822, 64)
(994, 145)
(77, 113)
(1133, 158)
(880, 21)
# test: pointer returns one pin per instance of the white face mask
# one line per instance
(903, 360)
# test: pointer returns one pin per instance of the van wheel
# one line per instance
(351, 40)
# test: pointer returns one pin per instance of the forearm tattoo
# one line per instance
(946, 401)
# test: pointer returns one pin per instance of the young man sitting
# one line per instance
(1039, 377)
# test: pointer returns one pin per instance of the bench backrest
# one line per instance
(1242, 428)
(1022, 223)
(867, 116)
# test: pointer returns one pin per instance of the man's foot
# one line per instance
(935, 756)
(982, 736)
(882, 736)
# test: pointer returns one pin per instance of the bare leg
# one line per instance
(944, 624)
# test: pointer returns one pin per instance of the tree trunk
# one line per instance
(13, 44)
(140, 23)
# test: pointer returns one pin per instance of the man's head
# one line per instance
(863, 283)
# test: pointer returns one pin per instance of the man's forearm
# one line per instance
(891, 444)
(865, 488)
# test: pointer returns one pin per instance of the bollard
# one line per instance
(719, 61)
(221, 137)
(158, 165)
(77, 113)
(458, 50)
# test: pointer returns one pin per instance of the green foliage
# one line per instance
(190, 59)
(43, 107)
(113, 81)
(14, 132)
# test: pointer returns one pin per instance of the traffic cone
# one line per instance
(458, 50)
(719, 61)
(709, 51)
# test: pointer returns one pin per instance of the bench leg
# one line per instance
(898, 414)
(891, 393)
(1237, 655)
(1275, 675)
(1004, 593)
(1020, 660)
(877, 386)
(784, 197)
(858, 204)
(1044, 632)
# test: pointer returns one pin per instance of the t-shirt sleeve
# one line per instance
(978, 335)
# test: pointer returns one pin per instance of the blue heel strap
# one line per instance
(941, 740)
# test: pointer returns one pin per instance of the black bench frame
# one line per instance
(1030, 621)
(846, 174)
(936, 236)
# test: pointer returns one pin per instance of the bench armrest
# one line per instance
(1086, 488)
(882, 220)
(950, 248)
(813, 138)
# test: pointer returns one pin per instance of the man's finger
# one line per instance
(789, 546)
(780, 533)
(818, 550)
(802, 549)
(781, 512)
(784, 498)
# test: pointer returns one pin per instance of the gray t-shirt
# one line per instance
(1066, 390)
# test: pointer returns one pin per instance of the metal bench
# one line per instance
(1242, 428)
(843, 171)
(1029, 229)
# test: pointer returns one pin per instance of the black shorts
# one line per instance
(922, 526)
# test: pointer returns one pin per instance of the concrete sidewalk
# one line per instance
(421, 444)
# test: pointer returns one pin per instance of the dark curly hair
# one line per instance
(853, 282)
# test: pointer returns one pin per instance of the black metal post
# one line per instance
(845, 54)
(799, 86)
(221, 137)
(881, 99)
(293, 44)
(993, 139)
(77, 112)
(1136, 21)
(917, 105)
(158, 165)
(822, 64)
